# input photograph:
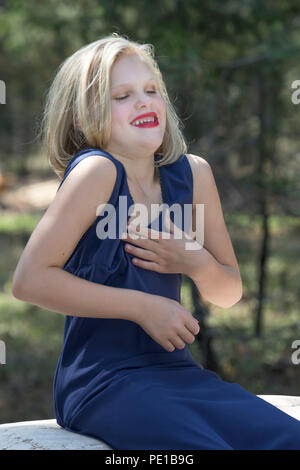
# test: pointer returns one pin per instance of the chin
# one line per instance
(150, 148)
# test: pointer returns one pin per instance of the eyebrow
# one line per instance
(129, 84)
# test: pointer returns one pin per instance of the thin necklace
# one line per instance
(162, 194)
(161, 188)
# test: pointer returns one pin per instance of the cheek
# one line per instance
(119, 115)
(163, 112)
(162, 107)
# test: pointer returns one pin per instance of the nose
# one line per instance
(143, 101)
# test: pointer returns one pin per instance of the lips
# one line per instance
(146, 124)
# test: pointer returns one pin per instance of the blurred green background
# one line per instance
(229, 68)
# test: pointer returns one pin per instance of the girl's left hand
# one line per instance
(161, 251)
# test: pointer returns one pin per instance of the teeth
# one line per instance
(142, 121)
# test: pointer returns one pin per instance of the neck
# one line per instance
(140, 172)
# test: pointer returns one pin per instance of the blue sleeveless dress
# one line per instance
(115, 383)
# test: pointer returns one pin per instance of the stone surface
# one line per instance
(48, 435)
(288, 404)
(45, 435)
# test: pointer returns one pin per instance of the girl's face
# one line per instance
(134, 92)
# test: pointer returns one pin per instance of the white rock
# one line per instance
(289, 404)
(45, 435)
(48, 435)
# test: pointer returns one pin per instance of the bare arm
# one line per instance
(39, 278)
(214, 268)
(62, 292)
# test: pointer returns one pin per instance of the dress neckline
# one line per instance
(132, 202)
(161, 188)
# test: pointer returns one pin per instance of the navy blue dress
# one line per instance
(115, 383)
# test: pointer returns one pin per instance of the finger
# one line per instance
(144, 243)
(140, 252)
(152, 266)
(178, 342)
(187, 336)
(193, 326)
(169, 346)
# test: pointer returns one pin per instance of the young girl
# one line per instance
(125, 374)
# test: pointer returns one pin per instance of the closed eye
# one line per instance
(123, 97)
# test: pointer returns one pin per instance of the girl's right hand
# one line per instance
(168, 322)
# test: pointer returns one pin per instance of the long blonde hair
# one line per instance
(77, 112)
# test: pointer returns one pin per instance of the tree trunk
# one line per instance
(206, 334)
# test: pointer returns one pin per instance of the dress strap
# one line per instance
(179, 188)
(178, 180)
(91, 152)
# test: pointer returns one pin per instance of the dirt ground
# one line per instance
(34, 194)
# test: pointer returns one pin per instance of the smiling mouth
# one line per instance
(154, 123)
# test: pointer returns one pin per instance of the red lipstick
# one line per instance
(146, 124)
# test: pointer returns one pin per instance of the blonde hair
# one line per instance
(77, 111)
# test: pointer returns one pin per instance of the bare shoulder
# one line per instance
(70, 214)
(88, 171)
(196, 161)
(202, 175)
(91, 180)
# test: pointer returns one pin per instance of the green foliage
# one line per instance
(258, 364)
(15, 224)
(228, 68)
(34, 336)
